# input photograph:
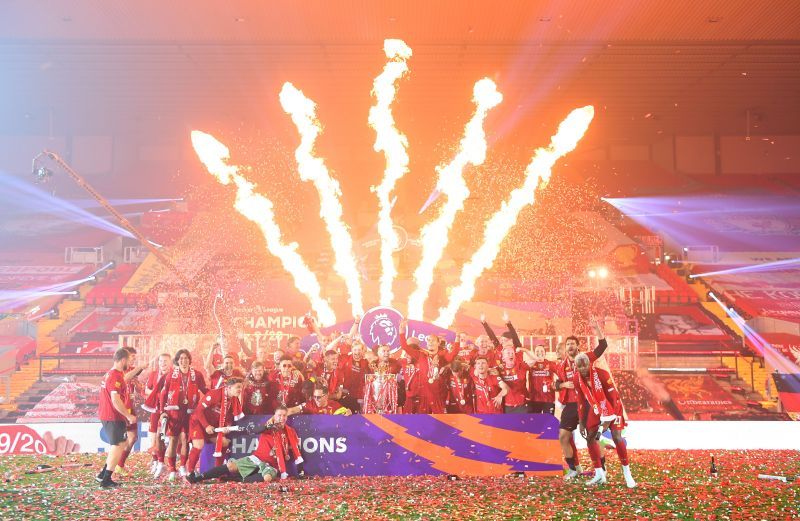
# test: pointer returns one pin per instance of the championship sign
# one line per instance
(418, 444)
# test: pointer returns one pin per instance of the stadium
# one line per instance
(400, 260)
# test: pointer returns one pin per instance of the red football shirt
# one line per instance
(485, 391)
(541, 377)
(515, 377)
(218, 378)
(113, 381)
(566, 373)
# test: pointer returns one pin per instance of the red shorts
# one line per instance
(593, 422)
(198, 432)
(154, 419)
(177, 423)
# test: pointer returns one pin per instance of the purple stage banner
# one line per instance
(381, 326)
(418, 444)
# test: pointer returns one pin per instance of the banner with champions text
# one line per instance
(417, 444)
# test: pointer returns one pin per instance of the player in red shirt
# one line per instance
(293, 348)
(261, 354)
(255, 396)
(331, 373)
(278, 442)
(600, 408)
(180, 396)
(460, 390)
(540, 379)
(218, 409)
(287, 387)
(430, 363)
(218, 377)
(467, 351)
(155, 381)
(320, 403)
(354, 366)
(134, 388)
(409, 402)
(514, 372)
(114, 415)
(565, 375)
(489, 389)
(483, 347)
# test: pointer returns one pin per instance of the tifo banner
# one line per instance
(22, 277)
(698, 394)
(780, 304)
(788, 345)
(419, 444)
(686, 323)
(788, 386)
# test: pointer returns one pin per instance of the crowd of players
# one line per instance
(341, 375)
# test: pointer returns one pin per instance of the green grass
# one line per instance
(672, 485)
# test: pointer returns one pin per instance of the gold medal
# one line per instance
(463, 402)
(430, 380)
(185, 401)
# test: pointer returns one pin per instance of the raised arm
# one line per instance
(498, 400)
(207, 365)
(413, 354)
(490, 332)
(134, 373)
(510, 327)
(244, 347)
(602, 345)
(354, 330)
(450, 355)
(313, 327)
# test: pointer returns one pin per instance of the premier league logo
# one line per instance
(380, 326)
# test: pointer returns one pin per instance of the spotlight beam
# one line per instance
(772, 356)
(113, 211)
(766, 266)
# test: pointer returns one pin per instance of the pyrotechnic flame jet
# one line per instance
(434, 235)
(257, 208)
(312, 168)
(393, 144)
(537, 174)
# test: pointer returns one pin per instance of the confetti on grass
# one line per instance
(672, 485)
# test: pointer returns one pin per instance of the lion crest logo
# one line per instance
(380, 326)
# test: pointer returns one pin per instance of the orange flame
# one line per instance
(257, 208)
(434, 235)
(393, 144)
(537, 173)
(312, 168)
